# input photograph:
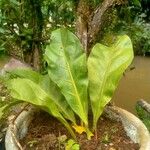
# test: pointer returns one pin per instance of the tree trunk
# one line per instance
(96, 20)
(36, 24)
(83, 13)
(89, 22)
(36, 57)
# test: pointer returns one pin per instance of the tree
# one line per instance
(26, 24)
(90, 18)
(22, 23)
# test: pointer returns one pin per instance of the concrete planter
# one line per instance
(18, 129)
(134, 128)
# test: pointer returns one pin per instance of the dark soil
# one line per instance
(46, 133)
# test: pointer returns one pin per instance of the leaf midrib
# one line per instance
(74, 85)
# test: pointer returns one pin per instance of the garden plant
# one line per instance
(74, 83)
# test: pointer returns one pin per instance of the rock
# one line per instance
(13, 64)
(143, 112)
(144, 105)
(111, 144)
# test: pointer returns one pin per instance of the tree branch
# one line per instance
(89, 22)
(96, 18)
(83, 13)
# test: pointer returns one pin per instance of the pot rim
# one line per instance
(139, 133)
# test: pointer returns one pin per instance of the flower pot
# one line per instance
(18, 128)
(134, 128)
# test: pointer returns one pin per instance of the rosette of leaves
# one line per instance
(63, 91)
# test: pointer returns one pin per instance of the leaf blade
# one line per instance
(54, 92)
(48, 86)
(67, 68)
(28, 91)
(106, 66)
(27, 73)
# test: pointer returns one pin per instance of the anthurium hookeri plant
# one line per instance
(74, 82)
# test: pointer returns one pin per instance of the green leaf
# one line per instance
(72, 145)
(27, 73)
(105, 67)
(67, 68)
(15, 2)
(28, 91)
(49, 87)
(54, 92)
(136, 3)
(2, 30)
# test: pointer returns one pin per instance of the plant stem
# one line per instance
(95, 134)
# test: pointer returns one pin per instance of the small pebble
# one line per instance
(111, 144)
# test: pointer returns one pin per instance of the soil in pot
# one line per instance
(46, 133)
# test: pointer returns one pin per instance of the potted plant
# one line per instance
(74, 82)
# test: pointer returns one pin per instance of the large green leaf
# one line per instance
(48, 86)
(105, 67)
(67, 68)
(54, 92)
(28, 91)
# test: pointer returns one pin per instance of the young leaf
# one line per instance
(105, 67)
(67, 68)
(72, 145)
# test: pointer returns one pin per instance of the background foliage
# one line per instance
(25, 25)
(131, 19)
